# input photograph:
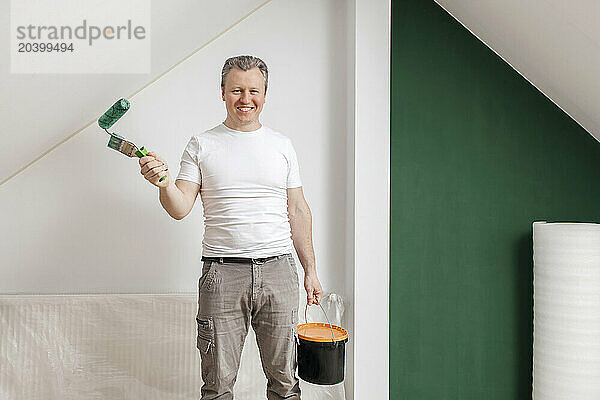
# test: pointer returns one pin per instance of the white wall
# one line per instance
(370, 208)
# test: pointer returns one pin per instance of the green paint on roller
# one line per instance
(117, 142)
(113, 114)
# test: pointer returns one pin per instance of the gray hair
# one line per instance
(244, 63)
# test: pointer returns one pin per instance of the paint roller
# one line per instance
(117, 142)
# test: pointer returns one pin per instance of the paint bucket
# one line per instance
(321, 352)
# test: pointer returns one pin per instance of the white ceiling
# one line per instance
(554, 44)
(40, 110)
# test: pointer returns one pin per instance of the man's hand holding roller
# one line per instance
(153, 167)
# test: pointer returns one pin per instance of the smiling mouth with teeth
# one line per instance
(245, 109)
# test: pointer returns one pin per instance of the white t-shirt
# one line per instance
(243, 177)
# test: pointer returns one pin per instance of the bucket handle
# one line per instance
(330, 327)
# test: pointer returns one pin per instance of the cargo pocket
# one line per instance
(205, 342)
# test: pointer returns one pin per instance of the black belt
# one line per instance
(241, 260)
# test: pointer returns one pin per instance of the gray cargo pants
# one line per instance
(231, 296)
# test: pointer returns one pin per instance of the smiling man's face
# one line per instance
(244, 97)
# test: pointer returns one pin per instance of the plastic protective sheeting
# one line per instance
(566, 327)
(114, 346)
(98, 347)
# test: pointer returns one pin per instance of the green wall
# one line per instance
(478, 154)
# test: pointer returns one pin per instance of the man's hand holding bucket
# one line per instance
(314, 291)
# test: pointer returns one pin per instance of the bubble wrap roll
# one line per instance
(566, 323)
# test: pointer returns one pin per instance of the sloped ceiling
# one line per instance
(554, 44)
(40, 110)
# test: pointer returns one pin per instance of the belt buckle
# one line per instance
(265, 259)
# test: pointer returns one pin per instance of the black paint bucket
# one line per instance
(321, 352)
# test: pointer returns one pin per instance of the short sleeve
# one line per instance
(293, 177)
(189, 169)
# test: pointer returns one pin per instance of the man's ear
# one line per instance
(223, 94)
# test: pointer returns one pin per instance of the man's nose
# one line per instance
(246, 97)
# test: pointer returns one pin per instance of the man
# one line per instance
(254, 210)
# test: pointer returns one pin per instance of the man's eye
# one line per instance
(236, 91)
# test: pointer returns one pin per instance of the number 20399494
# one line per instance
(45, 47)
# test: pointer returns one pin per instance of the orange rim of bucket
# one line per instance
(321, 332)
